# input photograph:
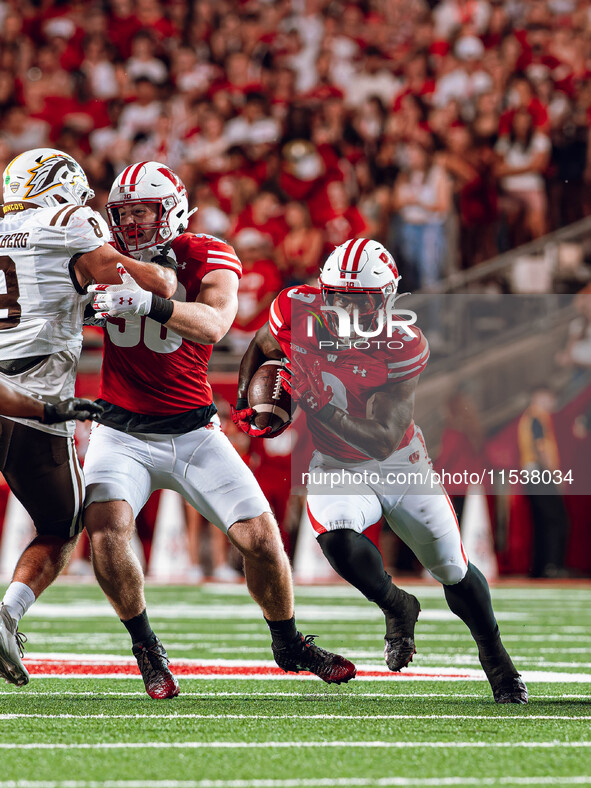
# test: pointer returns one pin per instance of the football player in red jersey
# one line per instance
(359, 407)
(159, 427)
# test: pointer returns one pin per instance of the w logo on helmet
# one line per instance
(45, 175)
(172, 177)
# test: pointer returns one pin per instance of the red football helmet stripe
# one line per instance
(126, 172)
(357, 258)
(346, 259)
(358, 245)
(136, 172)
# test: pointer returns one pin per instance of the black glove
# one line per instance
(73, 408)
(91, 318)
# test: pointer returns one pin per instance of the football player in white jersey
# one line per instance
(51, 248)
(160, 428)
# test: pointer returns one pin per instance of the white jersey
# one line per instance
(41, 303)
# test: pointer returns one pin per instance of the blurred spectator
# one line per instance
(470, 165)
(538, 451)
(265, 215)
(260, 283)
(295, 97)
(467, 81)
(142, 62)
(99, 69)
(337, 214)
(299, 255)
(422, 201)
(161, 144)
(372, 79)
(524, 156)
(140, 116)
(22, 132)
(253, 125)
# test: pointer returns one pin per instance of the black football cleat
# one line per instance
(506, 683)
(152, 661)
(304, 654)
(400, 633)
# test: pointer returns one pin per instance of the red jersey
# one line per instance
(352, 374)
(149, 369)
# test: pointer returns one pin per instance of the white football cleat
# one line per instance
(11, 651)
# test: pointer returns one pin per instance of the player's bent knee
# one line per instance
(113, 520)
(258, 538)
(448, 574)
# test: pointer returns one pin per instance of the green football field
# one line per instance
(85, 721)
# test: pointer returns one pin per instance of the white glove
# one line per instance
(124, 300)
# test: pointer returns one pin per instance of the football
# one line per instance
(268, 398)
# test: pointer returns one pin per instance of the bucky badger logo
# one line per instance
(45, 175)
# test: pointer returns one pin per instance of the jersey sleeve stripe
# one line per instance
(221, 260)
(275, 314)
(410, 361)
(223, 255)
(57, 215)
(69, 215)
(214, 264)
(407, 373)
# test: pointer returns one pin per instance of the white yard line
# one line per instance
(237, 612)
(334, 695)
(338, 782)
(323, 717)
(428, 675)
(297, 745)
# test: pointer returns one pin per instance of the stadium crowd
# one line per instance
(448, 130)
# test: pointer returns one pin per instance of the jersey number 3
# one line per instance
(10, 309)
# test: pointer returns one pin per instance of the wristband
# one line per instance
(161, 310)
(241, 403)
(326, 414)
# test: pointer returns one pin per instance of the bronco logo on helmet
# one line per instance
(45, 174)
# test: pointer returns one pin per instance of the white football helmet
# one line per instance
(360, 266)
(45, 177)
(152, 183)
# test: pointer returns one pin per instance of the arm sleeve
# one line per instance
(85, 230)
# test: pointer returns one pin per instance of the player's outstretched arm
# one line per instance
(21, 406)
(100, 265)
(389, 414)
(205, 320)
(208, 319)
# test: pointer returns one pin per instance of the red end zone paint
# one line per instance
(67, 668)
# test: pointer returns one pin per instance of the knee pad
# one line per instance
(338, 516)
(448, 574)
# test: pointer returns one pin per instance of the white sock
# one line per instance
(18, 599)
